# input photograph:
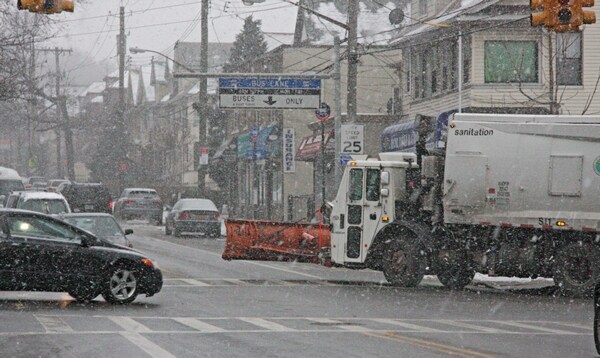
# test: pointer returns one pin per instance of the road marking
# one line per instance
(237, 282)
(431, 345)
(153, 349)
(574, 325)
(193, 282)
(53, 324)
(129, 324)
(406, 325)
(263, 323)
(535, 328)
(198, 325)
(461, 324)
(239, 261)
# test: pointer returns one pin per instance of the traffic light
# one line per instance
(541, 17)
(562, 15)
(46, 6)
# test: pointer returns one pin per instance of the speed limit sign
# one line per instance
(352, 139)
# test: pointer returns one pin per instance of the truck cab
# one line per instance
(365, 203)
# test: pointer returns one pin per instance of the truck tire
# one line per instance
(576, 269)
(455, 270)
(404, 263)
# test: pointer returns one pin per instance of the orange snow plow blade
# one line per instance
(277, 241)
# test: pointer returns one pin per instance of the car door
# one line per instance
(11, 259)
(52, 251)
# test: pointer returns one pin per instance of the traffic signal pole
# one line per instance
(202, 94)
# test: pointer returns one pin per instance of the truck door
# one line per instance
(363, 212)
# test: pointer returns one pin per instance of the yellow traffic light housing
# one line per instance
(46, 6)
(561, 15)
(538, 18)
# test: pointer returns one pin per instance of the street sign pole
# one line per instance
(323, 113)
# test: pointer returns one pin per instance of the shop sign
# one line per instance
(289, 151)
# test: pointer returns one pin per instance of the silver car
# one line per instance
(101, 225)
(139, 203)
(194, 216)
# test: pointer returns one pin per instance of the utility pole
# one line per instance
(120, 127)
(65, 126)
(353, 7)
(202, 94)
(337, 107)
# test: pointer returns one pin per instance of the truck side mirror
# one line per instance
(385, 178)
(385, 192)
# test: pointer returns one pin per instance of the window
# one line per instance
(373, 180)
(511, 61)
(356, 184)
(41, 228)
(568, 59)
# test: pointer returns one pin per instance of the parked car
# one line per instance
(54, 183)
(193, 215)
(41, 253)
(101, 225)
(28, 182)
(40, 201)
(9, 181)
(139, 203)
(87, 197)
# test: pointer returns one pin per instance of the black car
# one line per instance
(87, 197)
(41, 253)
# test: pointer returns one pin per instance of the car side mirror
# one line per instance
(86, 241)
(128, 232)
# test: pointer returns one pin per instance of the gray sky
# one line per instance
(158, 24)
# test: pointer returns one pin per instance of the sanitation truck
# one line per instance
(506, 195)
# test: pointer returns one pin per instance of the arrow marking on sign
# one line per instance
(270, 101)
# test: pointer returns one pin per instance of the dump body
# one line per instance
(532, 171)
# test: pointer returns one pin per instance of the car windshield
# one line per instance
(101, 226)
(46, 206)
(142, 194)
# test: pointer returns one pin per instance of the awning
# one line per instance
(402, 137)
(310, 146)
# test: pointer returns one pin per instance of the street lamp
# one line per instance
(135, 50)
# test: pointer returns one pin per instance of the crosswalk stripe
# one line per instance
(198, 325)
(53, 324)
(263, 323)
(406, 325)
(153, 349)
(193, 282)
(129, 324)
(534, 328)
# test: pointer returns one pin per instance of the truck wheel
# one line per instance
(455, 270)
(576, 269)
(404, 263)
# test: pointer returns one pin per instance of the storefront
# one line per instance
(259, 179)
(311, 149)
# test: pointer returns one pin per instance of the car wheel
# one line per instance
(167, 229)
(176, 232)
(158, 221)
(121, 285)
